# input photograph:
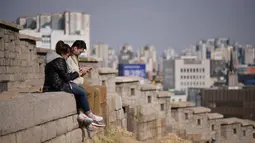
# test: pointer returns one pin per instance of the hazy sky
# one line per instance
(162, 23)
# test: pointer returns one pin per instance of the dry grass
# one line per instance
(173, 138)
(119, 135)
(116, 135)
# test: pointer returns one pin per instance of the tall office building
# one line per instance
(186, 72)
(249, 55)
(101, 51)
(214, 49)
(169, 53)
(149, 57)
(126, 55)
(112, 59)
(66, 26)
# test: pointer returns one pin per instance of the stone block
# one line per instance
(75, 122)
(116, 102)
(112, 117)
(76, 136)
(35, 109)
(149, 134)
(59, 139)
(68, 137)
(124, 123)
(1, 54)
(49, 131)
(1, 33)
(8, 139)
(69, 123)
(61, 126)
(29, 135)
(120, 114)
(4, 77)
(147, 112)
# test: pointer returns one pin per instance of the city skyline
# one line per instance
(163, 24)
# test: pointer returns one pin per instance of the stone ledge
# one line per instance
(182, 104)
(197, 110)
(164, 94)
(11, 25)
(28, 37)
(229, 121)
(42, 50)
(148, 87)
(249, 122)
(234, 120)
(88, 59)
(126, 79)
(107, 71)
(31, 109)
(212, 116)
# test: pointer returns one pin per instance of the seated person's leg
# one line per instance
(81, 95)
(93, 98)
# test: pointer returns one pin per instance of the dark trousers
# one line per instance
(80, 97)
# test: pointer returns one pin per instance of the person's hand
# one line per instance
(85, 70)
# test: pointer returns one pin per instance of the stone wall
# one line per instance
(42, 117)
(20, 65)
(148, 108)
(199, 125)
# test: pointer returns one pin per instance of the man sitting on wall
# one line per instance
(93, 94)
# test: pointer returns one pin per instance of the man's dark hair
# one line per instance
(62, 48)
(79, 44)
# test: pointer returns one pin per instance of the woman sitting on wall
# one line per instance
(58, 79)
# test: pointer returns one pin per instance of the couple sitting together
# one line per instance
(62, 73)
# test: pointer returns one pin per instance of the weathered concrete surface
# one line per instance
(28, 110)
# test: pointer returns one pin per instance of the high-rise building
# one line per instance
(148, 56)
(66, 26)
(101, 51)
(169, 53)
(57, 21)
(126, 55)
(214, 49)
(186, 72)
(249, 55)
(112, 59)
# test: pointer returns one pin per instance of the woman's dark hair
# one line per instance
(62, 48)
(80, 44)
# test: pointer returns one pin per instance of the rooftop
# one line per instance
(148, 87)
(164, 94)
(233, 120)
(127, 79)
(182, 104)
(10, 25)
(107, 71)
(27, 37)
(197, 110)
(214, 116)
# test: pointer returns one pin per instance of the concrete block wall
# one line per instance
(214, 125)
(210, 126)
(129, 90)
(148, 108)
(39, 117)
(20, 66)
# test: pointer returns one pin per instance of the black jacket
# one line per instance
(57, 77)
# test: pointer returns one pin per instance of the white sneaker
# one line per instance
(95, 124)
(97, 118)
(85, 120)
